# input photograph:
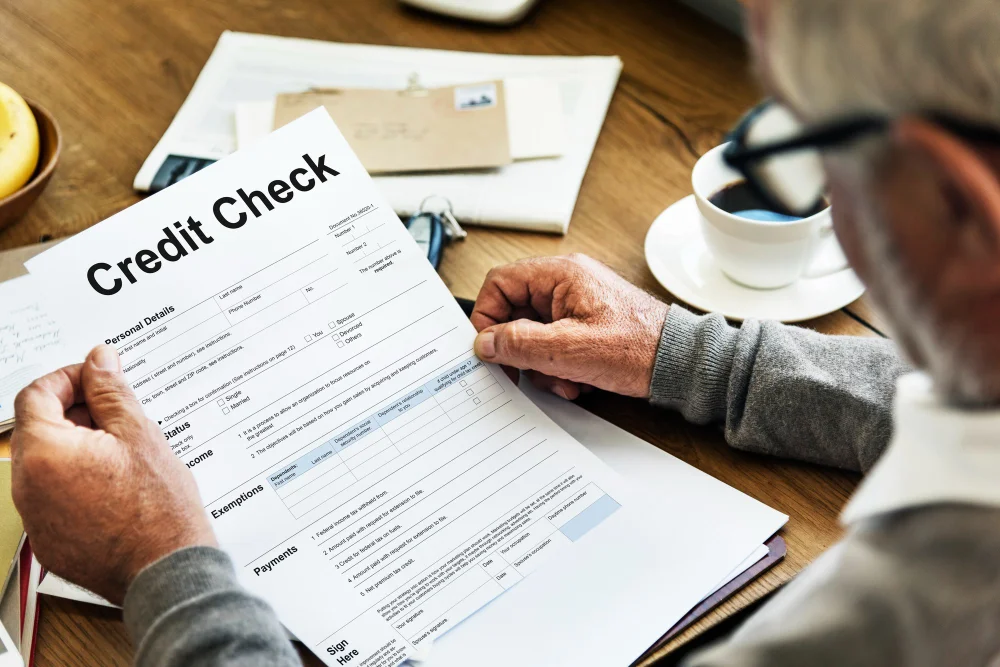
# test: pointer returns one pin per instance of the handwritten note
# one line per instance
(30, 341)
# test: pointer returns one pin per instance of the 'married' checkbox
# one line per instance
(225, 411)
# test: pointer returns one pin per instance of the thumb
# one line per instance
(110, 400)
(524, 344)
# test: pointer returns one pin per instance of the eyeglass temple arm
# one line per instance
(738, 153)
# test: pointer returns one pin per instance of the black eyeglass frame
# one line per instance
(825, 136)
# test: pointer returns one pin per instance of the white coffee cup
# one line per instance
(760, 254)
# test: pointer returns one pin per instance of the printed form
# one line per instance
(370, 477)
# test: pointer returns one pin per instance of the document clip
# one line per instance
(433, 228)
(413, 87)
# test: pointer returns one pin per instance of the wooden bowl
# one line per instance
(14, 205)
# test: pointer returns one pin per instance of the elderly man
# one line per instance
(912, 90)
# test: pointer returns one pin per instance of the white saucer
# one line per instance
(680, 261)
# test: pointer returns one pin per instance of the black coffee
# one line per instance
(742, 200)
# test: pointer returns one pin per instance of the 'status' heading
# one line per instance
(232, 212)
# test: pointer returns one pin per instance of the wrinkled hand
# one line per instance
(572, 323)
(101, 494)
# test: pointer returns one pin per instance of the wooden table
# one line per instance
(115, 73)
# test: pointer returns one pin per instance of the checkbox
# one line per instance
(221, 401)
(336, 337)
(331, 325)
(225, 411)
(469, 392)
(475, 401)
(339, 344)
(464, 383)
(308, 338)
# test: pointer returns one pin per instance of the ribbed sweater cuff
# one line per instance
(174, 580)
(693, 364)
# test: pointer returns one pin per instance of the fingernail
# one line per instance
(485, 345)
(106, 358)
(559, 391)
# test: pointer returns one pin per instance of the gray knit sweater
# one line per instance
(920, 587)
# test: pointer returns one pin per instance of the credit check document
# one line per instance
(372, 480)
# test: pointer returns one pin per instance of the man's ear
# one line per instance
(968, 175)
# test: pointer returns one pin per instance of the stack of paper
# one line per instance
(381, 487)
(534, 194)
(668, 481)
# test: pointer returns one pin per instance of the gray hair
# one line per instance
(891, 56)
(830, 58)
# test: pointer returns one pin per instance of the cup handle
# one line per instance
(829, 258)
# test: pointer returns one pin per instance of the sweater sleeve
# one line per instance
(780, 390)
(188, 609)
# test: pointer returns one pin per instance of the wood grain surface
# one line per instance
(114, 74)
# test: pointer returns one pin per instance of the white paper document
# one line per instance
(662, 477)
(534, 194)
(370, 477)
(29, 341)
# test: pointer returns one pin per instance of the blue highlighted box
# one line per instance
(581, 524)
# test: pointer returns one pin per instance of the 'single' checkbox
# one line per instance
(221, 401)
(464, 383)
(225, 411)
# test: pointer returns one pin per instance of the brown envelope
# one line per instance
(392, 131)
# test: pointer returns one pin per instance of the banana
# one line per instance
(18, 141)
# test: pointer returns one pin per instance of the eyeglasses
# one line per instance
(782, 160)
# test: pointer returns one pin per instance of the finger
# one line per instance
(528, 284)
(38, 436)
(527, 345)
(49, 397)
(110, 400)
(79, 416)
(563, 388)
(527, 313)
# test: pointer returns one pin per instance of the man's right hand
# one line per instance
(100, 492)
(571, 322)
